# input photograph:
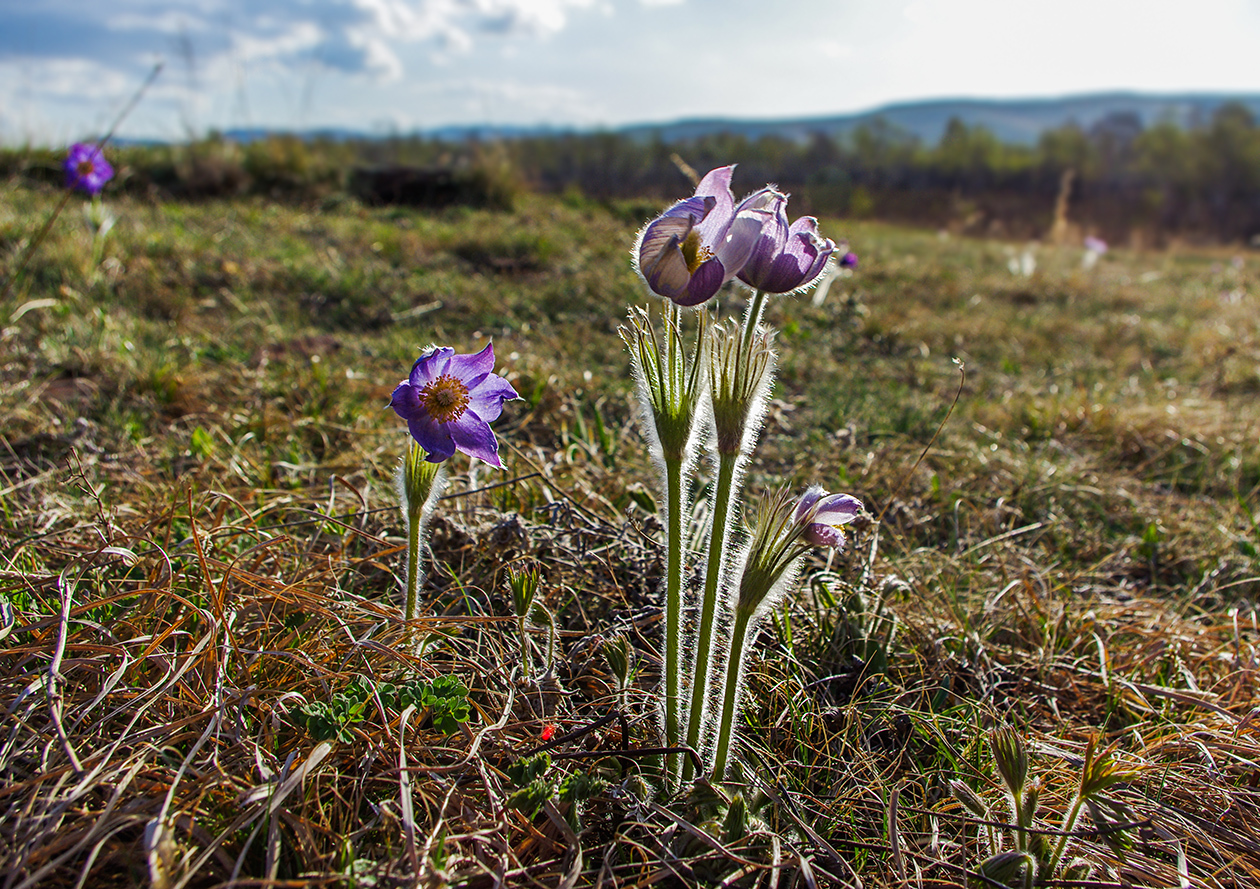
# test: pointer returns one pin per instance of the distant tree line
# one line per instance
(1124, 181)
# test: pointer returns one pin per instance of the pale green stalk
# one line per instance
(722, 496)
(419, 484)
(413, 563)
(726, 725)
(741, 369)
(673, 608)
(669, 390)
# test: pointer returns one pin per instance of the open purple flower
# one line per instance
(822, 514)
(688, 252)
(449, 401)
(86, 168)
(785, 257)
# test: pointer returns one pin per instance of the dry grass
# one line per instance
(198, 539)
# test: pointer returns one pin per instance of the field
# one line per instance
(207, 679)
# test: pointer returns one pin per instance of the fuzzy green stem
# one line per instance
(1069, 825)
(673, 608)
(750, 323)
(723, 495)
(526, 661)
(413, 562)
(727, 722)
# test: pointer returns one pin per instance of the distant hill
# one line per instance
(1016, 121)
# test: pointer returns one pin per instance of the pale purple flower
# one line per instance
(1095, 245)
(688, 252)
(449, 401)
(786, 257)
(86, 168)
(822, 514)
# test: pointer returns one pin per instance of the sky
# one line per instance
(69, 67)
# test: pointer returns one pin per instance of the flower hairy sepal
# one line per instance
(741, 371)
(1011, 758)
(524, 586)
(669, 383)
(419, 483)
(1011, 868)
(770, 558)
(620, 656)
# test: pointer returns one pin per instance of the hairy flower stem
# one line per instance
(723, 495)
(413, 562)
(727, 722)
(751, 321)
(1068, 825)
(673, 608)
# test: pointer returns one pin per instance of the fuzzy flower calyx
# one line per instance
(86, 168)
(670, 383)
(786, 257)
(449, 402)
(740, 374)
(688, 252)
(820, 516)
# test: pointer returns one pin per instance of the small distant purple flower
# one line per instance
(822, 514)
(449, 401)
(786, 257)
(688, 252)
(86, 168)
(849, 260)
(1095, 245)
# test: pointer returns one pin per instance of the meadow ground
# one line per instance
(207, 680)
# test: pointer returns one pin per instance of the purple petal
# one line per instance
(433, 436)
(669, 229)
(431, 365)
(658, 255)
(406, 401)
(466, 367)
(742, 239)
(473, 436)
(812, 495)
(824, 535)
(838, 509)
(716, 185)
(707, 280)
(849, 260)
(487, 397)
(769, 245)
(670, 276)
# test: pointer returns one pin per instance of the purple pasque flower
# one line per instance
(449, 401)
(688, 252)
(849, 260)
(86, 168)
(785, 257)
(822, 514)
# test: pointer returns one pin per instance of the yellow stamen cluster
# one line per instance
(445, 399)
(693, 253)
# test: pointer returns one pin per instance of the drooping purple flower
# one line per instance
(688, 252)
(449, 402)
(822, 514)
(786, 257)
(86, 168)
